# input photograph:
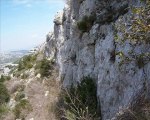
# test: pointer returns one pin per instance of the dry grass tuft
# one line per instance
(139, 109)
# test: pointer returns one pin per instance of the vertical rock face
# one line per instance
(96, 52)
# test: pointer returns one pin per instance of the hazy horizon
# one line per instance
(25, 23)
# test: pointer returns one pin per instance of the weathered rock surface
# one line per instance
(94, 53)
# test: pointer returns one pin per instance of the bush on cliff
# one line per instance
(86, 23)
(80, 102)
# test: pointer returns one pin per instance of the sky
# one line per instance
(25, 23)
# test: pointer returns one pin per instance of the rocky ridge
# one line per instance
(96, 52)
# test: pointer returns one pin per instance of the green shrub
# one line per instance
(82, 25)
(4, 95)
(21, 66)
(19, 96)
(20, 107)
(86, 23)
(27, 62)
(80, 102)
(44, 67)
(3, 109)
(4, 78)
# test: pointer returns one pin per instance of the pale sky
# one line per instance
(25, 23)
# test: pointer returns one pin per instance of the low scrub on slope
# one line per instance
(22, 109)
(4, 97)
(27, 62)
(4, 78)
(80, 102)
(44, 67)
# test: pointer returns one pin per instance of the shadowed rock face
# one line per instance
(94, 53)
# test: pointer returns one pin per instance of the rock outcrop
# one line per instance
(97, 53)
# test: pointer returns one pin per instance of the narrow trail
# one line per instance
(35, 93)
(41, 94)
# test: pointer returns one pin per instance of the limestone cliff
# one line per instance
(114, 64)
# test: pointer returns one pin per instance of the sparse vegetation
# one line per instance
(80, 102)
(86, 23)
(19, 96)
(44, 67)
(17, 87)
(22, 108)
(24, 76)
(136, 30)
(3, 109)
(27, 62)
(4, 98)
(139, 109)
(16, 74)
(4, 78)
(4, 95)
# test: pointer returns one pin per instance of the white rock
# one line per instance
(31, 119)
(29, 81)
(46, 93)
(12, 103)
(58, 18)
(38, 75)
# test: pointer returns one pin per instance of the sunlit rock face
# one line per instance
(94, 52)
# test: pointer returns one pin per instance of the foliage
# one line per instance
(20, 107)
(139, 26)
(44, 67)
(4, 95)
(27, 62)
(136, 29)
(86, 23)
(17, 74)
(24, 64)
(4, 78)
(80, 102)
(19, 96)
(3, 109)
